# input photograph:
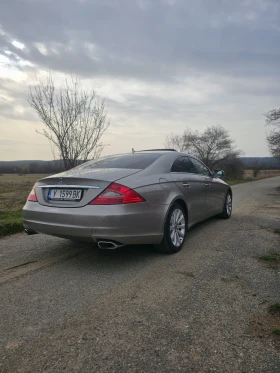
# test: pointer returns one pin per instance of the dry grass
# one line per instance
(14, 190)
(249, 176)
(262, 174)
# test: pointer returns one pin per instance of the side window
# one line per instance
(201, 169)
(183, 164)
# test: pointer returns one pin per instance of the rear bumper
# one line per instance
(128, 224)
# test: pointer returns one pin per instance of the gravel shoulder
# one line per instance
(204, 309)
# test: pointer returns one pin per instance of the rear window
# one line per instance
(130, 161)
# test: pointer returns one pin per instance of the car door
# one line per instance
(215, 195)
(192, 186)
(214, 189)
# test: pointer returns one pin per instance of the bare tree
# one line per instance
(212, 146)
(273, 138)
(75, 119)
(175, 141)
(233, 168)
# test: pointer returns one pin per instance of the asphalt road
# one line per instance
(68, 307)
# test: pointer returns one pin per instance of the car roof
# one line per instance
(169, 154)
(172, 154)
(166, 154)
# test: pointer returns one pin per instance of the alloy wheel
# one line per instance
(177, 227)
(229, 204)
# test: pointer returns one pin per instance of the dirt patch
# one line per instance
(264, 327)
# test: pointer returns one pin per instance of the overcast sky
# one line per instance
(161, 65)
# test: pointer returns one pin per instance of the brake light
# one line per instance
(117, 194)
(32, 195)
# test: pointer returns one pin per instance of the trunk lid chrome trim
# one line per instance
(65, 186)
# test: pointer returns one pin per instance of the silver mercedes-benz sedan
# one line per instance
(146, 197)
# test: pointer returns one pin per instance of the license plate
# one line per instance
(65, 194)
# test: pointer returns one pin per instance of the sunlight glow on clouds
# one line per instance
(18, 44)
(41, 48)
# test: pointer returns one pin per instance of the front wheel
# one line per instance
(226, 214)
(174, 230)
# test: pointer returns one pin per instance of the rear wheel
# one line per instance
(174, 230)
(226, 214)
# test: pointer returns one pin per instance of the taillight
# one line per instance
(32, 195)
(117, 194)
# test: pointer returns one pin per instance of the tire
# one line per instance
(173, 239)
(226, 214)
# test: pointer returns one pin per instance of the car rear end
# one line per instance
(91, 203)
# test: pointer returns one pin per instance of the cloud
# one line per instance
(13, 101)
(155, 61)
(148, 40)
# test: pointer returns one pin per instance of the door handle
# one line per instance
(186, 185)
(207, 185)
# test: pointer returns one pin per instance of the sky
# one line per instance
(161, 65)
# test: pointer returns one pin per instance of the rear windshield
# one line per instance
(130, 161)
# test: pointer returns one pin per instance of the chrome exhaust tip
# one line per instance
(108, 245)
(30, 232)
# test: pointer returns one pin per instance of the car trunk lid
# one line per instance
(84, 184)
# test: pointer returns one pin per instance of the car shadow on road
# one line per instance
(123, 255)
(91, 255)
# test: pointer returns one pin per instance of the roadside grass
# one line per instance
(276, 331)
(14, 190)
(277, 231)
(273, 260)
(239, 181)
(271, 257)
(274, 309)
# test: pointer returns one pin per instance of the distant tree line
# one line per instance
(233, 167)
(39, 167)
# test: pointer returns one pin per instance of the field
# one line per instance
(262, 174)
(14, 190)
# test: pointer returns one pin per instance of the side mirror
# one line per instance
(219, 174)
